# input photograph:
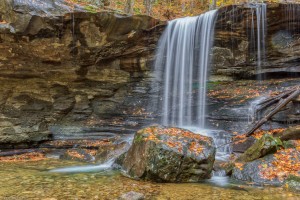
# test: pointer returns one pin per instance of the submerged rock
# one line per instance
(132, 196)
(170, 155)
(78, 155)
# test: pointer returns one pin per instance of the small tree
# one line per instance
(148, 6)
(129, 6)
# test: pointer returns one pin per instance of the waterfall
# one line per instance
(182, 63)
(261, 20)
(260, 10)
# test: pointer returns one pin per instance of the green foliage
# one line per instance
(212, 84)
(274, 141)
(289, 144)
(137, 11)
(90, 8)
(138, 137)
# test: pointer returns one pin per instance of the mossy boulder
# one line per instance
(169, 155)
(264, 146)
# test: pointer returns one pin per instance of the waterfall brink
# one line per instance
(182, 62)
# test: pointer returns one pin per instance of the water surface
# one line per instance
(32, 180)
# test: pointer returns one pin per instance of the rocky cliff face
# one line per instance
(237, 44)
(65, 71)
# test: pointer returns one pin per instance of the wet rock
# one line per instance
(132, 196)
(272, 169)
(63, 65)
(234, 53)
(110, 151)
(78, 154)
(56, 154)
(243, 146)
(293, 183)
(265, 145)
(251, 172)
(292, 133)
(170, 155)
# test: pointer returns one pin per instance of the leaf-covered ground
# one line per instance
(176, 138)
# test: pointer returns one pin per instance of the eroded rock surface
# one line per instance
(170, 155)
(236, 50)
(65, 71)
(68, 73)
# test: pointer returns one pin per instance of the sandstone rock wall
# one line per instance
(235, 50)
(69, 73)
(66, 71)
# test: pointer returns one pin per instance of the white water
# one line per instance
(260, 10)
(182, 61)
(261, 20)
(108, 165)
(86, 168)
(224, 149)
(221, 139)
(252, 110)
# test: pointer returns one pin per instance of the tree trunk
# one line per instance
(281, 104)
(213, 5)
(129, 6)
(148, 6)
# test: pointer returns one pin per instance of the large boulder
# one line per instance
(170, 155)
(272, 169)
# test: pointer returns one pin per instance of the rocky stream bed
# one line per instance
(77, 90)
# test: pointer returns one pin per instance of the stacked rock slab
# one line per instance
(64, 70)
(235, 50)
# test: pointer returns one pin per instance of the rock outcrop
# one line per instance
(236, 51)
(65, 70)
(69, 72)
(170, 155)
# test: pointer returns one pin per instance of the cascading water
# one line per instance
(260, 10)
(261, 20)
(182, 60)
(182, 65)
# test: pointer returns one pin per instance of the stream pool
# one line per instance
(32, 180)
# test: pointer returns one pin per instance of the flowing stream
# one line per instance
(32, 181)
